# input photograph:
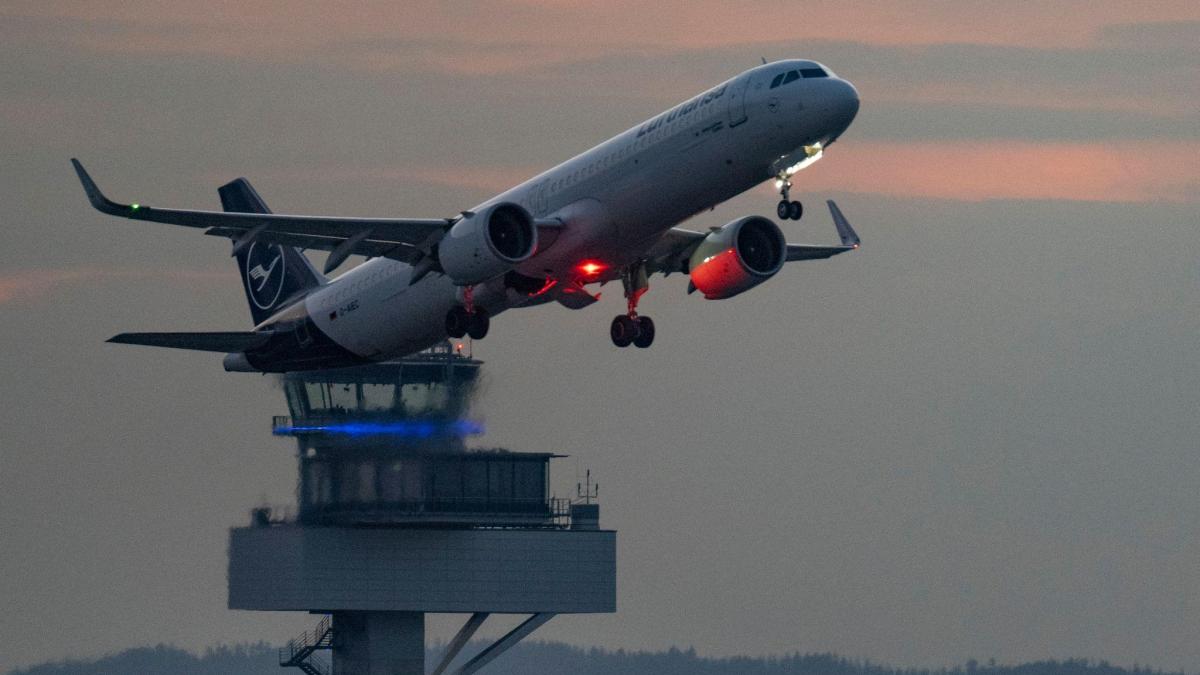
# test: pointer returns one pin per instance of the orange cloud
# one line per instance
(968, 170)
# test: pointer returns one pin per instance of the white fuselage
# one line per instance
(615, 201)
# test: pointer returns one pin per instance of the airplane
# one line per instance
(607, 214)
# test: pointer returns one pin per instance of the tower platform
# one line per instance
(512, 571)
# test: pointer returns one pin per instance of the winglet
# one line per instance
(847, 233)
(96, 197)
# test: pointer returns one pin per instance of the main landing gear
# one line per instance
(467, 319)
(787, 209)
(629, 328)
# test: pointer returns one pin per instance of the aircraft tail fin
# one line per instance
(272, 275)
(205, 342)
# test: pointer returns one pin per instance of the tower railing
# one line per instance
(554, 512)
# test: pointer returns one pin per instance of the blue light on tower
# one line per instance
(401, 429)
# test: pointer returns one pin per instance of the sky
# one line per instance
(976, 437)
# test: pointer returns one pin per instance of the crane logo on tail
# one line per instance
(264, 274)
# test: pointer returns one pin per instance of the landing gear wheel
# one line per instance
(477, 326)
(787, 209)
(624, 330)
(645, 336)
(795, 210)
(457, 321)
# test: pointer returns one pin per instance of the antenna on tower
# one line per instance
(587, 491)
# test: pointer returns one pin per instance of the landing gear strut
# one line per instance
(786, 209)
(629, 328)
(467, 319)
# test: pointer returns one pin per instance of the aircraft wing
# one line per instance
(673, 250)
(398, 238)
(805, 252)
(676, 246)
(205, 342)
(846, 233)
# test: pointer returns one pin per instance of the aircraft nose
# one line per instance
(844, 104)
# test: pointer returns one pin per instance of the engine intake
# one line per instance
(737, 257)
(487, 243)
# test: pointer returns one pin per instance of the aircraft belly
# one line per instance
(341, 319)
(677, 193)
(413, 317)
(359, 311)
(589, 231)
(391, 318)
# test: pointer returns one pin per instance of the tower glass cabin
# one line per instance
(385, 443)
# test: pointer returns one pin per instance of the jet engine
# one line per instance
(737, 257)
(487, 243)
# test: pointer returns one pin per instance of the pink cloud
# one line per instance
(970, 170)
(1127, 171)
(1173, 96)
(481, 38)
(528, 36)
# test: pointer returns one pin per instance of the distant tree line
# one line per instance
(553, 657)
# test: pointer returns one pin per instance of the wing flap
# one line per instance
(369, 247)
(672, 249)
(225, 342)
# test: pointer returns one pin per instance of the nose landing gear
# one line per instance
(467, 319)
(787, 209)
(629, 328)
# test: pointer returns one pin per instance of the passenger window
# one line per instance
(792, 76)
(775, 82)
(813, 72)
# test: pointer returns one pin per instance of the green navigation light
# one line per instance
(135, 207)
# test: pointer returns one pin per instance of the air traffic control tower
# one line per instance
(397, 518)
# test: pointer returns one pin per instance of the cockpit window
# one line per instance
(793, 75)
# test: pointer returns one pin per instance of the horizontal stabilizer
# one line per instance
(205, 342)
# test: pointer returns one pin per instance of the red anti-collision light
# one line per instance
(591, 267)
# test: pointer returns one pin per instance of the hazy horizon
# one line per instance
(538, 656)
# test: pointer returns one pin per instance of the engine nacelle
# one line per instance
(737, 257)
(487, 243)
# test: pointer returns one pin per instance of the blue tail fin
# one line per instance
(273, 275)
